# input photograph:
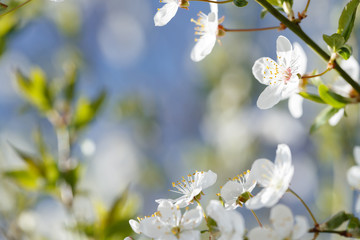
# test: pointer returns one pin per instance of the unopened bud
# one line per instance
(184, 4)
(221, 31)
(240, 3)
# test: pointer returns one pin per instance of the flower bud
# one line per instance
(240, 3)
(184, 4)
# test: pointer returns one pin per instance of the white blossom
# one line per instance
(169, 224)
(273, 177)
(207, 28)
(232, 191)
(351, 67)
(283, 226)
(230, 223)
(191, 186)
(353, 176)
(281, 76)
(167, 12)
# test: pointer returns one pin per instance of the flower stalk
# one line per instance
(305, 205)
(15, 8)
(210, 1)
(295, 28)
(252, 29)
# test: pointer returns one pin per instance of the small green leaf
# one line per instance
(329, 98)
(275, 2)
(27, 179)
(265, 11)
(335, 41)
(311, 97)
(336, 221)
(87, 110)
(32, 162)
(323, 118)
(240, 3)
(345, 51)
(70, 82)
(347, 18)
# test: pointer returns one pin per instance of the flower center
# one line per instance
(287, 75)
(176, 231)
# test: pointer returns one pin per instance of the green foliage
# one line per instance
(36, 90)
(331, 98)
(323, 118)
(240, 3)
(335, 41)
(86, 111)
(347, 18)
(345, 51)
(311, 97)
(265, 11)
(352, 227)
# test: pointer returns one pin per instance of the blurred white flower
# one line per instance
(282, 220)
(353, 175)
(207, 28)
(281, 77)
(167, 12)
(230, 223)
(351, 66)
(274, 177)
(232, 192)
(191, 187)
(169, 223)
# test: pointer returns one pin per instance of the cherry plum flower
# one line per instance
(169, 224)
(275, 178)
(207, 28)
(167, 12)
(351, 66)
(284, 226)
(353, 176)
(281, 77)
(229, 223)
(233, 191)
(191, 187)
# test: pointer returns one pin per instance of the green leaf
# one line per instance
(87, 110)
(347, 18)
(240, 3)
(329, 97)
(336, 221)
(345, 51)
(335, 41)
(311, 97)
(35, 89)
(27, 179)
(275, 2)
(71, 74)
(32, 162)
(265, 11)
(323, 118)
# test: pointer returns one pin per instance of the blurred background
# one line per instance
(163, 116)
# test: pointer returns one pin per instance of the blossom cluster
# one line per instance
(223, 221)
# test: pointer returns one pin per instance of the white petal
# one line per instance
(357, 205)
(353, 177)
(238, 224)
(209, 179)
(263, 69)
(262, 169)
(169, 213)
(190, 235)
(351, 67)
(166, 13)
(152, 227)
(295, 105)
(183, 201)
(231, 191)
(267, 197)
(217, 212)
(283, 155)
(128, 238)
(262, 233)
(284, 51)
(282, 220)
(250, 182)
(299, 59)
(301, 227)
(214, 8)
(270, 96)
(135, 225)
(191, 219)
(336, 117)
(357, 154)
(203, 47)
